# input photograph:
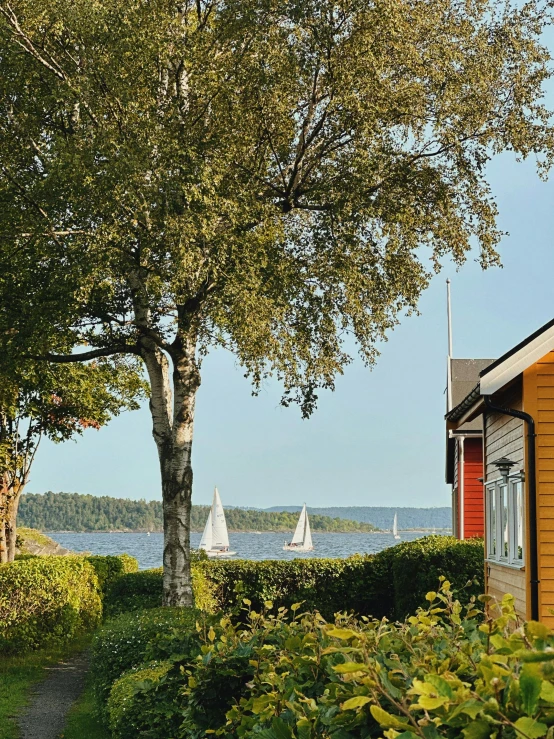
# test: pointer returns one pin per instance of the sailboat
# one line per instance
(302, 539)
(215, 539)
(395, 527)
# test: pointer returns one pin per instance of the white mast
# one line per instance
(449, 358)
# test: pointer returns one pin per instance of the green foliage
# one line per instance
(137, 637)
(46, 601)
(391, 583)
(76, 512)
(446, 672)
(109, 568)
(139, 701)
(137, 590)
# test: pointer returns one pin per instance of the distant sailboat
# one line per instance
(395, 527)
(302, 539)
(215, 539)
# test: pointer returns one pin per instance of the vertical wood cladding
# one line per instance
(474, 510)
(539, 403)
(504, 436)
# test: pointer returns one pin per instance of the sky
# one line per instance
(379, 439)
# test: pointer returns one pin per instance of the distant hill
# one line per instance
(88, 513)
(382, 517)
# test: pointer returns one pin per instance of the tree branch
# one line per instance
(107, 351)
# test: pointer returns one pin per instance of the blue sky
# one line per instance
(379, 438)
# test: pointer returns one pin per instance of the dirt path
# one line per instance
(51, 699)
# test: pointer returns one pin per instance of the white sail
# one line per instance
(395, 527)
(206, 540)
(298, 537)
(307, 544)
(220, 537)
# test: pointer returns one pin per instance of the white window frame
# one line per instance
(493, 490)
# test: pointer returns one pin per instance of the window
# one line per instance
(505, 520)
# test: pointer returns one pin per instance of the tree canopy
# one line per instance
(271, 177)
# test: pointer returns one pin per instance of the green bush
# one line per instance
(138, 590)
(138, 703)
(46, 601)
(137, 637)
(448, 671)
(391, 583)
(109, 568)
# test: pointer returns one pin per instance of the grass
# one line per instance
(19, 674)
(81, 721)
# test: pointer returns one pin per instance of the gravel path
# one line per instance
(51, 699)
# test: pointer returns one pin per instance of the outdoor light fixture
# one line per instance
(504, 466)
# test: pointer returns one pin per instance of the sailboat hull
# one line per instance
(291, 548)
(216, 553)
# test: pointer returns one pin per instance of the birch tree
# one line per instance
(274, 178)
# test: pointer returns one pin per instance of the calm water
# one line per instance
(148, 549)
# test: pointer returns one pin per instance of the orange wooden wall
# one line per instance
(474, 513)
(538, 400)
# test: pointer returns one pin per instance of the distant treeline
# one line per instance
(382, 517)
(76, 512)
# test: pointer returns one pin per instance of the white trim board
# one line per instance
(517, 363)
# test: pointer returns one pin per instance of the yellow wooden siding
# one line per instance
(538, 401)
(502, 580)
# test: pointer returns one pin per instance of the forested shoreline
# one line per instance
(89, 513)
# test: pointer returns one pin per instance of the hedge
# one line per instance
(137, 590)
(137, 637)
(392, 583)
(46, 601)
(110, 567)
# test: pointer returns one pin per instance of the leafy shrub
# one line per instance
(392, 583)
(46, 601)
(138, 590)
(137, 637)
(446, 672)
(137, 704)
(109, 567)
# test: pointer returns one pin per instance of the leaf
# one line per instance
(477, 730)
(528, 727)
(429, 703)
(281, 729)
(350, 667)
(356, 702)
(530, 685)
(387, 720)
(547, 691)
(341, 633)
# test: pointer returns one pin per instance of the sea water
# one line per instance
(148, 549)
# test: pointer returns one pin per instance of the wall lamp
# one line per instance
(504, 465)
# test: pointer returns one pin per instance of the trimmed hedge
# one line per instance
(392, 583)
(137, 590)
(139, 700)
(46, 601)
(138, 637)
(110, 567)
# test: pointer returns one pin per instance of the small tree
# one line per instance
(58, 402)
(265, 176)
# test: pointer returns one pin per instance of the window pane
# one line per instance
(504, 551)
(518, 520)
(492, 522)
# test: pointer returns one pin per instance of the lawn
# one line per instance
(81, 722)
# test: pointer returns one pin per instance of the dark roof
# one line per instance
(516, 348)
(459, 410)
(464, 375)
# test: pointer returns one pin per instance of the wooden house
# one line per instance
(513, 400)
(464, 452)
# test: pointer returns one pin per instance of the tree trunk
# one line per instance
(172, 409)
(3, 521)
(11, 525)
